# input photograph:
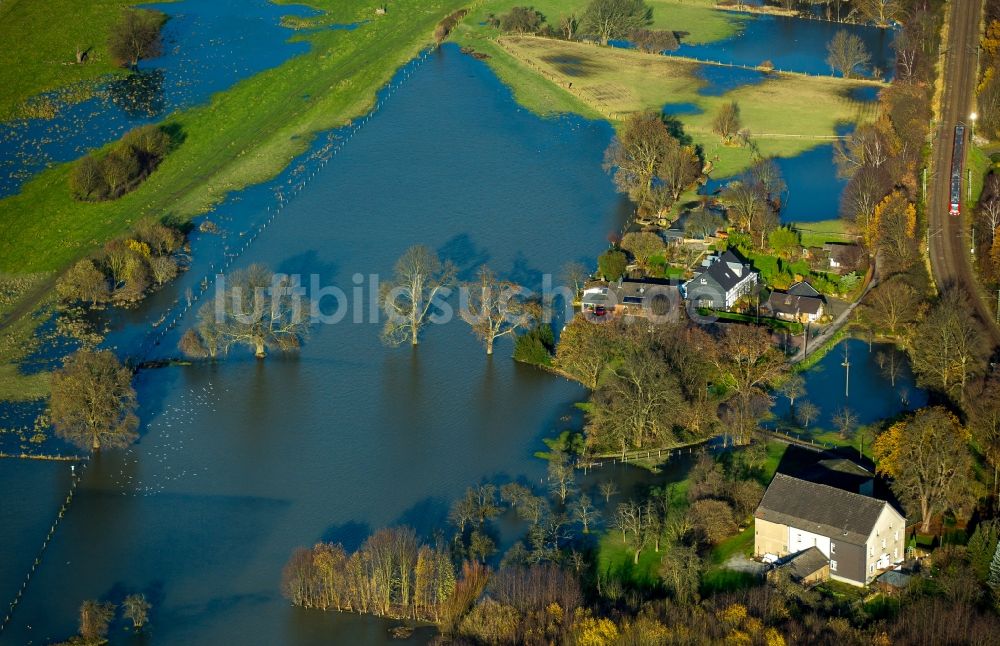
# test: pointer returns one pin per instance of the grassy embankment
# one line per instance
(614, 557)
(243, 136)
(44, 58)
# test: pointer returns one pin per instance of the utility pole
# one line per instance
(969, 185)
(847, 373)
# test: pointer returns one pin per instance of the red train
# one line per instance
(957, 161)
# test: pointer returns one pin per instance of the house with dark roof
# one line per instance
(722, 281)
(631, 298)
(800, 302)
(860, 535)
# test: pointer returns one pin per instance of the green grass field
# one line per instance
(244, 136)
(787, 114)
(46, 36)
(816, 234)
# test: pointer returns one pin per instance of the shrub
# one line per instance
(133, 158)
(612, 264)
(522, 20)
(535, 346)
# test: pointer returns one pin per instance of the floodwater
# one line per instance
(207, 47)
(864, 388)
(242, 461)
(792, 45)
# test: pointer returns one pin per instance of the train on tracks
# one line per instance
(957, 162)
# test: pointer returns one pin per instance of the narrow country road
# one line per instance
(947, 240)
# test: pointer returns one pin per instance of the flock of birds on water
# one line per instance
(165, 446)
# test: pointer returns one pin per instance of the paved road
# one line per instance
(949, 245)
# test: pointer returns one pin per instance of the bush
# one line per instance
(654, 41)
(132, 159)
(612, 264)
(522, 20)
(535, 346)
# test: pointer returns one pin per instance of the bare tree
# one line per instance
(608, 488)
(496, 308)
(254, 307)
(846, 422)
(727, 121)
(407, 299)
(793, 387)
(948, 348)
(881, 12)
(630, 519)
(749, 362)
(890, 363)
(136, 608)
(609, 19)
(561, 476)
(136, 36)
(576, 274)
(846, 53)
(584, 511)
(806, 413)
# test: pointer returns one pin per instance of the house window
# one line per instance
(833, 566)
(833, 548)
(871, 568)
(883, 543)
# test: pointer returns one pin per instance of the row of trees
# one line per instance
(125, 269)
(107, 176)
(263, 311)
(390, 575)
(604, 20)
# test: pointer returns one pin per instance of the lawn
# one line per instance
(816, 234)
(46, 36)
(787, 114)
(244, 136)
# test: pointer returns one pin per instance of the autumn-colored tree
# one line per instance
(83, 282)
(95, 617)
(586, 348)
(927, 456)
(93, 403)
(643, 246)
